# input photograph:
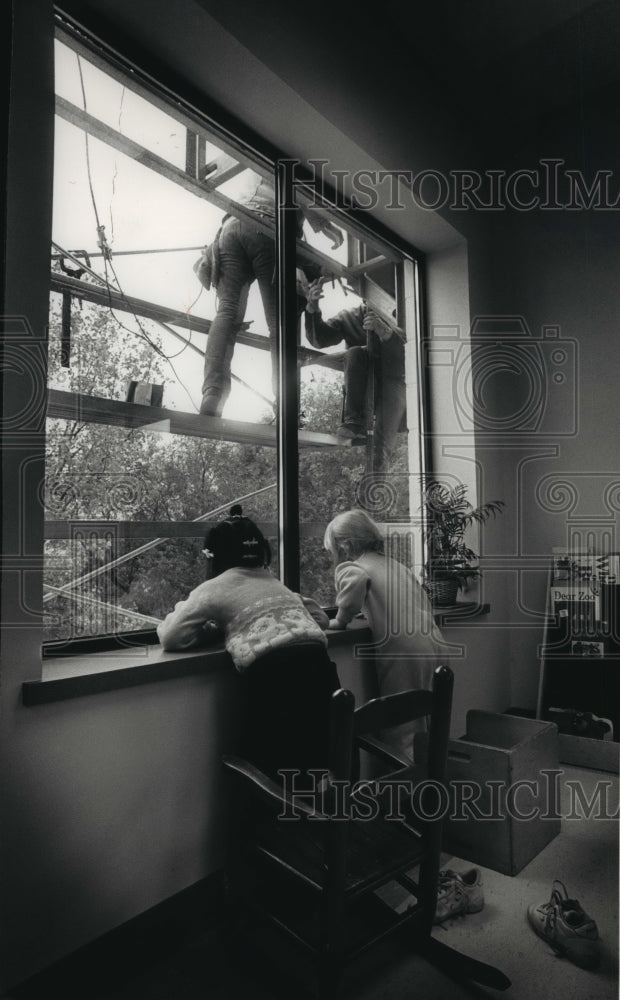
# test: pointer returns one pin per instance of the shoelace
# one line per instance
(571, 909)
(550, 917)
(446, 880)
(449, 880)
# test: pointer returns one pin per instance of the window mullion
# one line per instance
(288, 391)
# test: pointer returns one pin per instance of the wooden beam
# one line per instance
(93, 126)
(222, 169)
(310, 198)
(71, 529)
(368, 265)
(194, 154)
(213, 134)
(382, 303)
(117, 413)
(112, 299)
(96, 128)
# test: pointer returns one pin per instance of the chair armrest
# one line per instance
(268, 790)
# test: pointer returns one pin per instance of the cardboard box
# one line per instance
(601, 755)
(503, 789)
(145, 393)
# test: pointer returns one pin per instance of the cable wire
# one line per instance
(107, 260)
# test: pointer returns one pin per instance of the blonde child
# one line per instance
(407, 644)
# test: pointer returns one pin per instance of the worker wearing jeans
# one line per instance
(246, 253)
(372, 347)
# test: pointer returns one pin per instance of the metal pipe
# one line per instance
(150, 545)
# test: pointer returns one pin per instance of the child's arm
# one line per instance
(316, 611)
(351, 586)
(189, 625)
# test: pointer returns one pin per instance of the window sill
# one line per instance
(66, 677)
(94, 673)
(75, 676)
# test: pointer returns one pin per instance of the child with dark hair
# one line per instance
(274, 641)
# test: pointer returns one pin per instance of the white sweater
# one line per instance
(398, 611)
(255, 611)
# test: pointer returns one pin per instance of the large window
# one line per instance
(134, 469)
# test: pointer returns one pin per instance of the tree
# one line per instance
(101, 472)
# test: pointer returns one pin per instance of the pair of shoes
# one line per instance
(458, 893)
(564, 924)
(348, 432)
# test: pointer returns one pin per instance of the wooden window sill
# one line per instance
(84, 674)
(93, 673)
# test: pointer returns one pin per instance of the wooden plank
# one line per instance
(110, 298)
(222, 169)
(309, 197)
(67, 530)
(99, 130)
(213, 133)
(94, 409)
(195, 154)
(220, 138)
(368, 265)
(81, 119)
(382, 303)
(121, 530)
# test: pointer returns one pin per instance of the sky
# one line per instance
(142, 211)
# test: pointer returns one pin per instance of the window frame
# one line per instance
(173, 94)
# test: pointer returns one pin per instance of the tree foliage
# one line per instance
(101, 472)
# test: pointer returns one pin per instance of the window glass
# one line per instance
(148, 443)
(134, 473)
(354, 448)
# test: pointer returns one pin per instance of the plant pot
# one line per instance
(443, 593)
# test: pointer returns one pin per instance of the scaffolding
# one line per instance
(203, 179)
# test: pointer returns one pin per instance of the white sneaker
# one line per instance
(565, 925)
(458, 893)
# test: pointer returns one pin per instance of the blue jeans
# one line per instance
(390, 403)
(246, 254)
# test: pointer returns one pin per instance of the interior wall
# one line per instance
(565, 483)
(556, 267)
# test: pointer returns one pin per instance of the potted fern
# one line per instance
(447, 515)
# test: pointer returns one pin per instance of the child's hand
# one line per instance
(212, 631)
(335, 624)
